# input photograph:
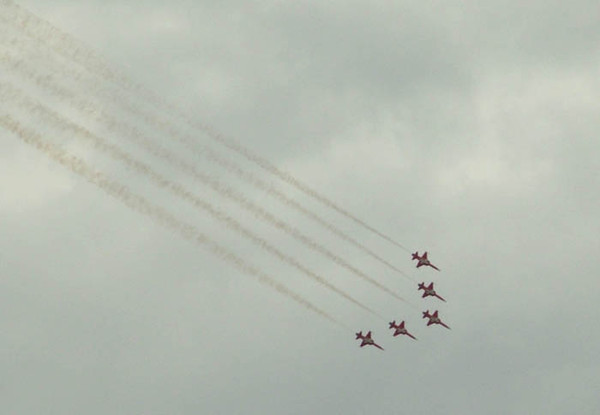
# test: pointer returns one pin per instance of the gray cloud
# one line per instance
(467, 130)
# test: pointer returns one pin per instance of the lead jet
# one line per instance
(434, 319)
(429, 291)
(423, 260)
(400, 329)
(367, 340)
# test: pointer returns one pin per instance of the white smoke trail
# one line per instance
(137, 137)
(68, 46)
(143, 206)
(283, 175)
(17, 98)
(282, 197)
(20, 65)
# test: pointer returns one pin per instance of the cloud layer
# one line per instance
(463, 129)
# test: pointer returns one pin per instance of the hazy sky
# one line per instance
(468, 129)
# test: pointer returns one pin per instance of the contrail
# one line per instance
(78, 52)
(250, 178)
(20, 66)
(141, 205)
(65, 44)
(115, 152)
(283, 175)
(188, 168)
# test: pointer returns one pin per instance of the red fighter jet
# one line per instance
(429, 291)
(400, 329)
(367, 340)
(423, 260)
(434, 319)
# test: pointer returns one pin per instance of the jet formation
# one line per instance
(428, 291)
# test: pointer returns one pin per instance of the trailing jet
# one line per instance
(429, 291)
(367, 340)
(434, 319)
(423, 260)
(400, 329)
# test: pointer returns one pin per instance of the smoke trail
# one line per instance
(63, 43)
(141, 205)
(20, 66)
(250, 178)
(100, 144)
(164, 154)
(283, 175)
(78, 52)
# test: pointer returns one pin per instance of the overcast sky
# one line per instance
(467, 129)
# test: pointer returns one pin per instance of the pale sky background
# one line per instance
(468, 129)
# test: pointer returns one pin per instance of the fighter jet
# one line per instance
(400, 329)
(423, 260)
(429, 291)
(367, 340)
(434, 319)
